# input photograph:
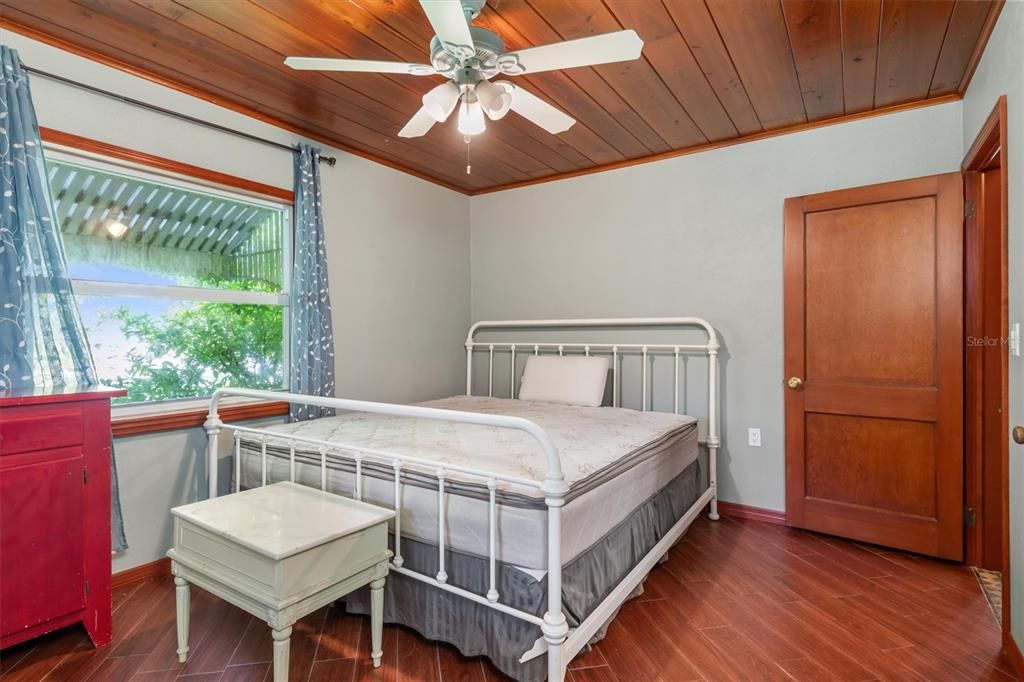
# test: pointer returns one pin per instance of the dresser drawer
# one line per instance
(26, 429)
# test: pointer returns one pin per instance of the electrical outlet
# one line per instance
(754, 438)
(1015, 339)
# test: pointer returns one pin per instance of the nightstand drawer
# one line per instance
(323, 565)
(201, 545)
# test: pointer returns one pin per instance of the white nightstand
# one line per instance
(280, 552)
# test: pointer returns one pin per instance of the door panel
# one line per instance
(885, 280)
(874, 340)
(854, 462)
(41, 498)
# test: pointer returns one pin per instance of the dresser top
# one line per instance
(282, 519)
(37, 395)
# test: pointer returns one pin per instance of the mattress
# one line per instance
(613, 460)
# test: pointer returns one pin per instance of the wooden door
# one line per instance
(874, 364)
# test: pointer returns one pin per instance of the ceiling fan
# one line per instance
(470, 56)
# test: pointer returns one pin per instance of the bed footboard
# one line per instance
(553, 624)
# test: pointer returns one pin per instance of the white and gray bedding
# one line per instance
(613, 459)
(512, 644)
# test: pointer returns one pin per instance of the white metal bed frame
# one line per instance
(563, 644)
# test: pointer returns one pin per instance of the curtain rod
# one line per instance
(330, 160)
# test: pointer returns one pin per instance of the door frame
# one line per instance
(990, 144)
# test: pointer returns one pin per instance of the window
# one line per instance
(182, 286)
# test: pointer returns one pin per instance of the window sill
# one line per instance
(135, 421)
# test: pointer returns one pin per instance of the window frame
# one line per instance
(166, 415)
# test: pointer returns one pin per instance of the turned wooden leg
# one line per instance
(181, 593)
(282, 648)
(376, 620)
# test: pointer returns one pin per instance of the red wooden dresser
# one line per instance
(55, 512)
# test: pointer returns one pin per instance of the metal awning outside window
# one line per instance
(141, 223)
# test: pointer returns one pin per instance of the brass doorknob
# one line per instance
(1018, 435)
(795, 382)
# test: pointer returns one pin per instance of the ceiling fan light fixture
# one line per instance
(471, 117)
(440, 101)
(469, 56)
(495, 98)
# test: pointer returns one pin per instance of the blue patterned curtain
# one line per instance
(42, 340)
(312, 336)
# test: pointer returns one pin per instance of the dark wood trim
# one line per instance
(973, 375)
(989, 141)
(979, 48)
(743, 511)
(6, 23)
(989, 149)
(154, 569)
(1014, 654)
(86, 144)
(764, 135)
(190, 419)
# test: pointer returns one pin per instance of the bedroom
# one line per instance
(697, 183)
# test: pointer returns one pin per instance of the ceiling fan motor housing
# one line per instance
(466, 65)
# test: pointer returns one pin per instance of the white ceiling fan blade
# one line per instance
(449, 22)
(603, 49)
(357, 65)
(418, 125)
(539, 112)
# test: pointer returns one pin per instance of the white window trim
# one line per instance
(82, 287)
(89, 287)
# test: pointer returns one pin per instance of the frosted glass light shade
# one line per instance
(440, 101)
(495, 98)
(471, 118)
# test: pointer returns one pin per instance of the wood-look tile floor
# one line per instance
(737, 600)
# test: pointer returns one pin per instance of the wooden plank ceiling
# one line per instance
(711, 72)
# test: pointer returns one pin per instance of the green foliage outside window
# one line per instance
(195, 348)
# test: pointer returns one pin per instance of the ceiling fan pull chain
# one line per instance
(469, 167)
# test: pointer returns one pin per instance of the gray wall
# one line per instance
(398, 258)
(695, 235)
(1001, 72)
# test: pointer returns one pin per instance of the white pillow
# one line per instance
(571, 379)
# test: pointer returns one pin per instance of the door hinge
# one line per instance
(970, 517)
(87, 588)
(85, 476)
(968, 209)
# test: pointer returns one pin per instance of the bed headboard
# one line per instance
(599, 337)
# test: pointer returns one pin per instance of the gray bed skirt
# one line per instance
(476, 630)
